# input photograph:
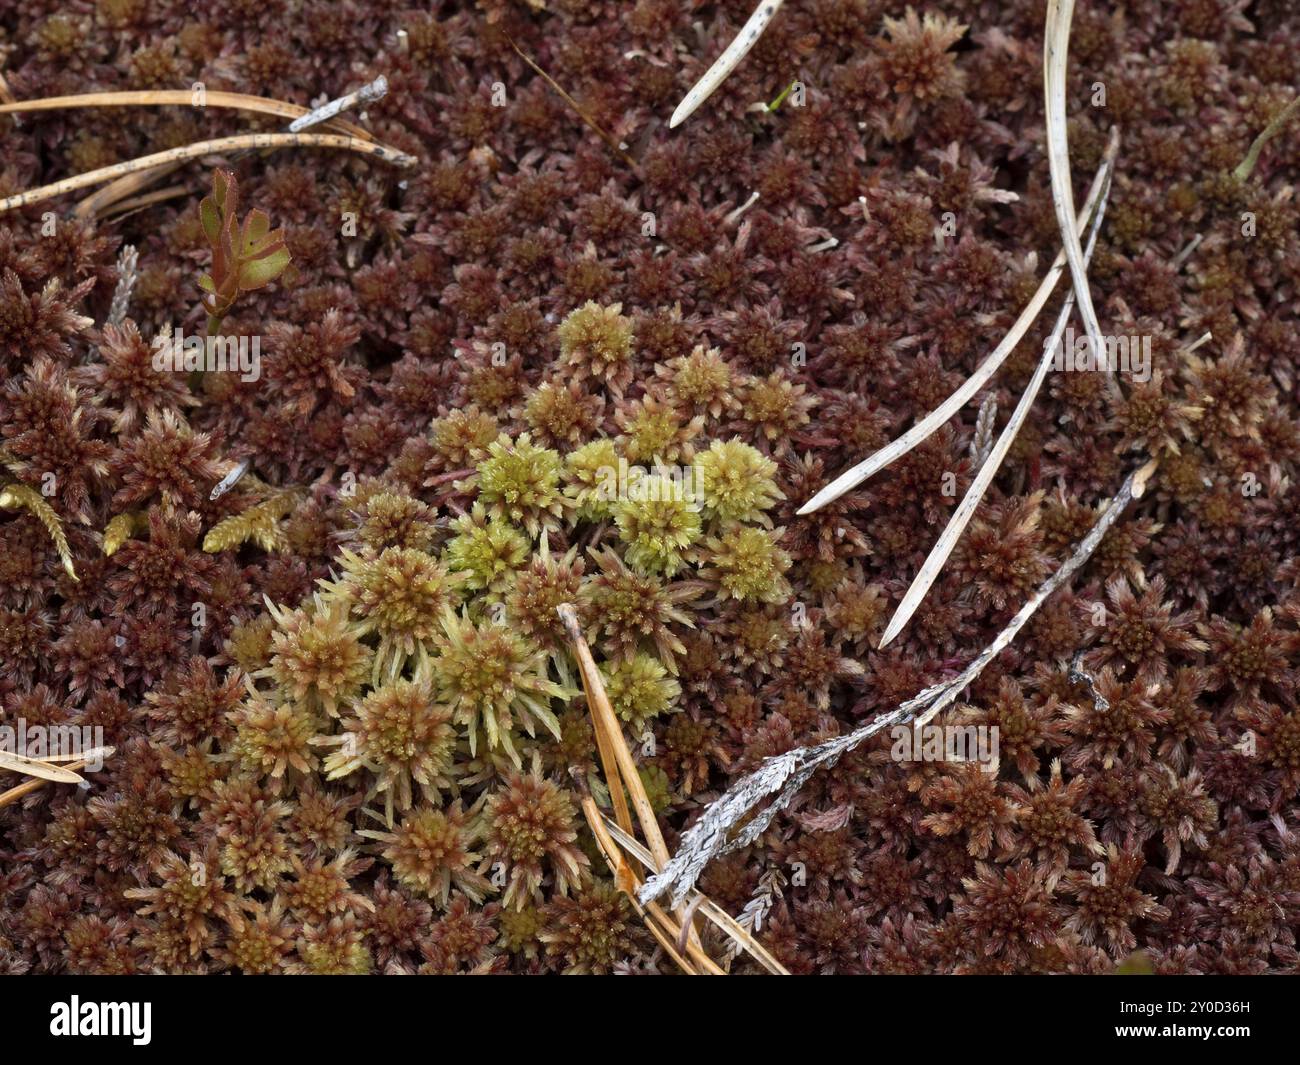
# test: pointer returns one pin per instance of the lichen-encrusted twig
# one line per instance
(126, 278)
(727, 62)
(853, 477)
(760, 904)
(961, 517)
(368, 93)
(781, 776)
(1081, 676)
(981, 441)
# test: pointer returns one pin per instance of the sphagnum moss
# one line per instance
(432, 664)
(515, 221)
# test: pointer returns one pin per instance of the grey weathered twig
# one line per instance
(1079, 675)
(780, 777)
(368, 93)
(126, 278)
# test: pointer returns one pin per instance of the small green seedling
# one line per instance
(244, 257)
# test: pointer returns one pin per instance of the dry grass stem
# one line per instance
(619, 767)
(238, 101)
(778, 779)
(201, 148)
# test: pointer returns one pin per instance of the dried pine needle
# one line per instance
(183, 98)
(616, 760)
(938, 556)
(211, 147)
(1056, 48)
(851, 478)
(114, 196)
(722, 67)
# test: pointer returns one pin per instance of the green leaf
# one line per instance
(210, 215)
(256, 226)
(226, 190)
(258, 272)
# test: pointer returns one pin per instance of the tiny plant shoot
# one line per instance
(244, 257)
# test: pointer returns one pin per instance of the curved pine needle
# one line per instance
(36, 767)
(727, 62)
(101, 201)
(1270, 131)
(938, 556)
(854, 476)
(211, 147)
(111, 195)
(237, 101)
(1056, 48)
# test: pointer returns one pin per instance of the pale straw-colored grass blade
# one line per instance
(616, 760)
(37, 767)
(961, 517)
(706, 907)
(876, 462)
(727, 62)
(1056, 49)
(99, 755)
